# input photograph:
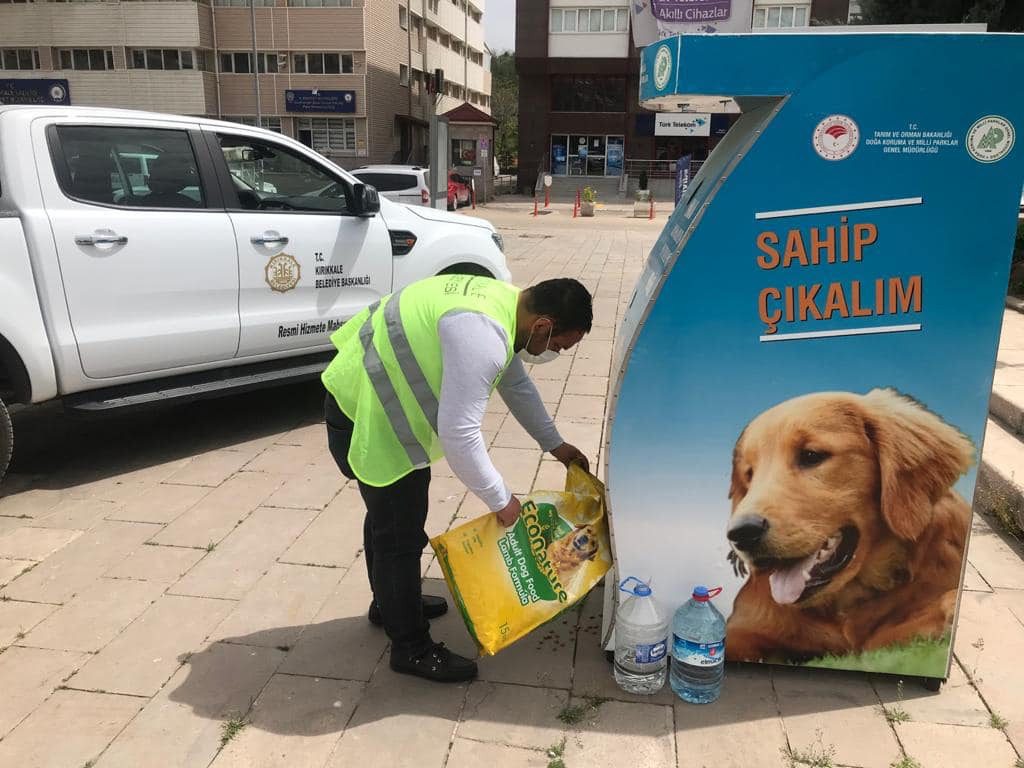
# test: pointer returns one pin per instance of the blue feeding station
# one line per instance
(801, 380)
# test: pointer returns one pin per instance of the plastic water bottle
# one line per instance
(641, 640)
(698, 648)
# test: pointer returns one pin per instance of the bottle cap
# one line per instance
(702, 594)
(640, 589)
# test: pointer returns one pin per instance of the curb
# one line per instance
(999, 491)
(1009, 413)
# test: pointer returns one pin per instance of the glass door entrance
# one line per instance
(586, 155)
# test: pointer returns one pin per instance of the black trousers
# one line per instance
(393, 540)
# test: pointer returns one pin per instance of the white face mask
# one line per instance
(544, 357)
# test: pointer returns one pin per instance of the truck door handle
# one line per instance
(269, 238)
(105, 237)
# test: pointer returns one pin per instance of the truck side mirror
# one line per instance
(365, 200)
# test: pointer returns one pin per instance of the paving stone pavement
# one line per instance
(171, 578)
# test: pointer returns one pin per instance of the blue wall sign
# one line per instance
(319, 100)
(35, 91)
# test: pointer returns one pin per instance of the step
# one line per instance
(199, 386)
(563, 188)
(1001, 475)
(1007, 401)
(1005, 404)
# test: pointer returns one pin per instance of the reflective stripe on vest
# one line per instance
(411, 369)
(387, 395)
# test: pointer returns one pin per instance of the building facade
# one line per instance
(349, 78)
(579, 80)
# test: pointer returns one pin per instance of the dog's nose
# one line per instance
(747, 531)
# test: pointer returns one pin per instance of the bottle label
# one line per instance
(647, 654)
(698, 654)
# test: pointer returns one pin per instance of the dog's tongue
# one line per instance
(788, 584)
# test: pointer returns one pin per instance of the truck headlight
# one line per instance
(498, 241)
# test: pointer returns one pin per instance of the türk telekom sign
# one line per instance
(655, 19)
(682, 124)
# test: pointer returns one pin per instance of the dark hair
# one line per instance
(565, 301)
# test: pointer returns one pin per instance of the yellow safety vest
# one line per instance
(387, 374)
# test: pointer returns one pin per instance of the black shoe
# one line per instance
(437, 663)
(432, 608)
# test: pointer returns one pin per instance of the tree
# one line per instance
(505, 107)
(1000, 15)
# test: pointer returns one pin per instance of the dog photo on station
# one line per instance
(846, 526)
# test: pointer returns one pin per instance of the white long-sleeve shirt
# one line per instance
(474, 349)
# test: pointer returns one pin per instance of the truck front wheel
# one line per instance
(6, 439)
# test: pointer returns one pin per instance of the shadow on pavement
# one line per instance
(54, 450)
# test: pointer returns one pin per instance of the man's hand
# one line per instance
(508, 514)
(568, 454)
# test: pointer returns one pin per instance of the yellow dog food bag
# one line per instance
(508, 581)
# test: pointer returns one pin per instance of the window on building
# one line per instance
(270, 123)
(245, 3)
(323, 63)
(320, 3)
(327, 133)
(463, 152)
(779, 16)
(434, 5)
(403, 17)
(164, 58)
(203, 60)
(403, 74)
(589, 20)
(85, 58)
(19, 58)
(588, 93)
(240, 62)
(432, 32)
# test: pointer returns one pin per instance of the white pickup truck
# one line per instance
(148, 257)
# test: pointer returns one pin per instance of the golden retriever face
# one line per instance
(824, 483)
(574, 549)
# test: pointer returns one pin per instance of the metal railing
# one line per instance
(658, 169)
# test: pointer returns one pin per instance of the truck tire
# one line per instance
(6, 439)
(466, 269)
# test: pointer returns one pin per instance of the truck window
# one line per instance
(268, 176)
(132, 167)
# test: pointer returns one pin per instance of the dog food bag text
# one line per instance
(508, 581)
